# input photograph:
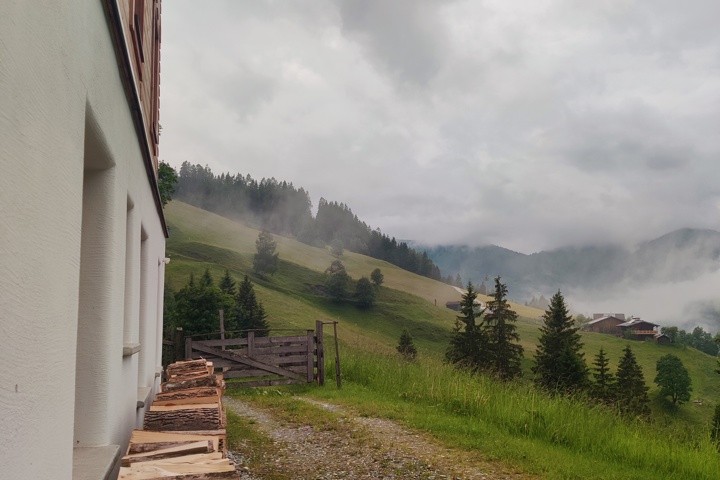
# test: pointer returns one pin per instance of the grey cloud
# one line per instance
(405, 37)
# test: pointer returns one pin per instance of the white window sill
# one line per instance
(131, 349)
(95, 463)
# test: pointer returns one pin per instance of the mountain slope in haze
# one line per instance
(201, 240)
(677, 256)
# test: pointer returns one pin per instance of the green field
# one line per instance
(552, 437)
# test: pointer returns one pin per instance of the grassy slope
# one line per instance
(199, 240)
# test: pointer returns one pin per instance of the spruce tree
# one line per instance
(469, 343)
(265, 260)
(227, 285)
(406, 347)
(249, 313)
(336, 280)
(559, 362)
(505, 353)
(365, 293)
(603, 387)
(630, 390)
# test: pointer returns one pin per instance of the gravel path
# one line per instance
(360, 448)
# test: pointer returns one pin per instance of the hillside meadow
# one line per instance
(553, 437)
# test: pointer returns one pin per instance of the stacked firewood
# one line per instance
(184, 430)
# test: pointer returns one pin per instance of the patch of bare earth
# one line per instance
(358, 448)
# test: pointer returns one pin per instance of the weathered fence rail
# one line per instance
(265, 361)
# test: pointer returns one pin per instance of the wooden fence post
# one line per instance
(222, 326)
(178, 345)
(320, 352)
(338, 376)
(251, 344)
(310, 356)
(188, 348)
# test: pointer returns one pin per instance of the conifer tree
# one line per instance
(559, 362)
(265, 260)
(469, 343)
(505, 353)
(631, 395)
(227, 285)
(406, 347)
(336, 280)
(249, 313)
(377, 277)
(604, 385)
(365, 293)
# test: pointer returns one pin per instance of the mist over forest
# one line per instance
(670, 280)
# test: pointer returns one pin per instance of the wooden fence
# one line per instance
(265, 361)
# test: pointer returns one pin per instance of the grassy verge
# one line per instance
(552, 437)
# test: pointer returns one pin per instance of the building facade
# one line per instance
(82, 234)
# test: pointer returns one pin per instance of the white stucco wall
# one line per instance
(62, 109)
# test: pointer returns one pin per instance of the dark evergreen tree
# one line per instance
(227, 284)
(630, 394)
(506, 354)
(406, 347)
(249, 312)
(364, 292)
(336, 280)
(197, 306)
(559, 361)
(265, 260)
(673, 379)
(377, 277)
(469, 343)
(603, 387)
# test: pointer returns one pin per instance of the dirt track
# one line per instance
(356, 448)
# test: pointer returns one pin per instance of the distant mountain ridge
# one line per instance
(680, 255)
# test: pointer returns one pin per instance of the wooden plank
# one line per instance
(148, 436)
(193, 459)
(149, 447)
(179, 472)
(320, 352)
(245, 373)
(253, 363)
(251, 344)
(174, 418)
(207, 381)
(265, 383)
(277, 349)
(310, 358)
(165, 453)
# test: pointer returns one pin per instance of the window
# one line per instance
(137, 28)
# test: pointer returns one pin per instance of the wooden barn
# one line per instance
(606, 323)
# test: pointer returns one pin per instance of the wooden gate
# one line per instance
(264, 361)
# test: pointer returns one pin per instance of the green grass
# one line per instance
(556, 438)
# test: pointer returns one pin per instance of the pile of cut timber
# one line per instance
(184, 430)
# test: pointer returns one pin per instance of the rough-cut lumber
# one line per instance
(214, 458)
(148, 436)
(134, 448)
(179, 472)
(189, 396)
(205, 381)
(167, 453)
(186, 366)
(184, 417)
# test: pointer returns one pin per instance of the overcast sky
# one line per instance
(528, 124)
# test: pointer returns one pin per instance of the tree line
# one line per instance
(281, 208)
(196, 307)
